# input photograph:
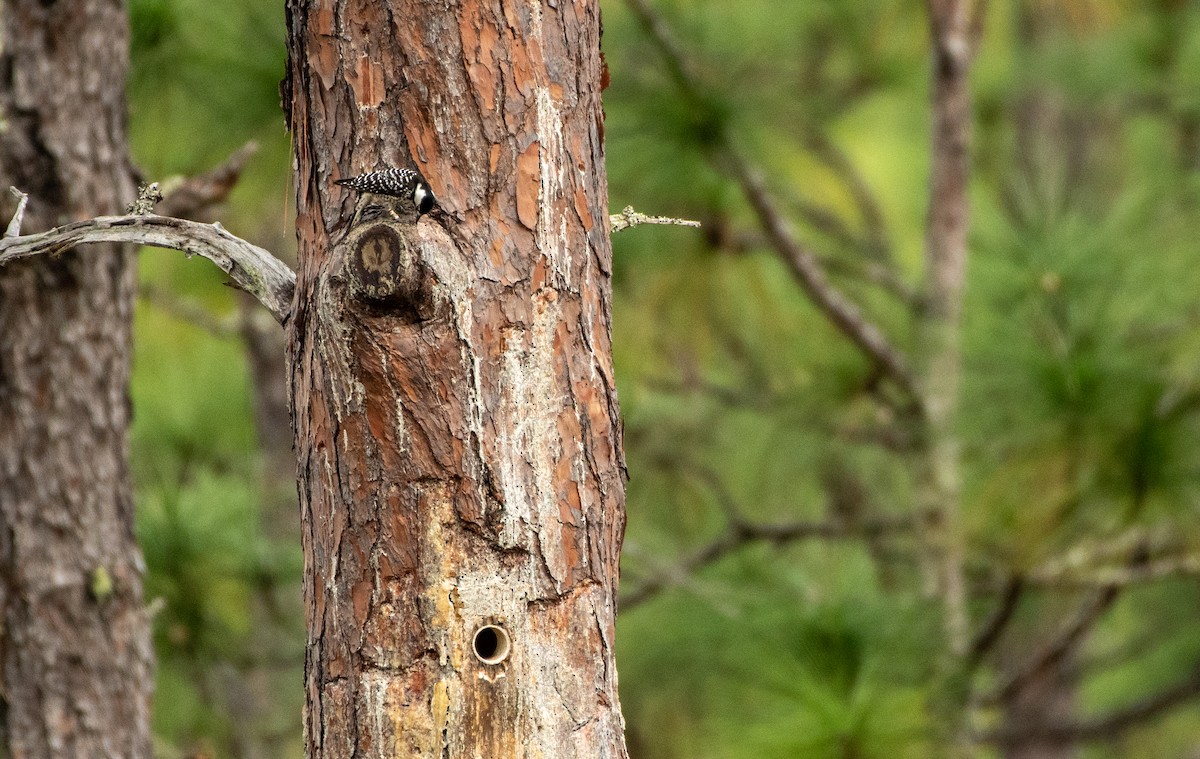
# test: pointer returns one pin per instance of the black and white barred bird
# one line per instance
(402, 194)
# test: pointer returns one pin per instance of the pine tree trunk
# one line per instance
(75, 656)
(458, 435)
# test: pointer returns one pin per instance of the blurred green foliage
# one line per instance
(1079, 403)
(219, 531)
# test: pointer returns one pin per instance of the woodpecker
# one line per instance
(402, 194)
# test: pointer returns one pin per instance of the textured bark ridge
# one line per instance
(74, 648)
(456, 423)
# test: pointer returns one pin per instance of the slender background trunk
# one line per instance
(954, 27)
(458, 437)
(75, 656)
(954, 40)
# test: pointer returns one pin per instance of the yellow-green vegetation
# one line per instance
(1079, 417)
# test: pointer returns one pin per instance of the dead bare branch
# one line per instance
(14, 226)
(631, 218)
(251, 268)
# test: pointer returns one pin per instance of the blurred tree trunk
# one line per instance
(458, 443)
(75, 655)
(955, 27)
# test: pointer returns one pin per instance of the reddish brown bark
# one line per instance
(75, 658)
(457, 432)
